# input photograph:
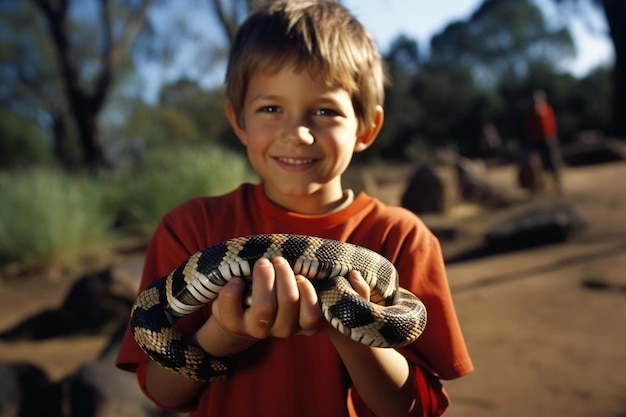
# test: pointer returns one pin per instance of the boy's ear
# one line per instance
(366, 138)
(234, 123)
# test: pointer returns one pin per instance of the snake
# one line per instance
(393, 317)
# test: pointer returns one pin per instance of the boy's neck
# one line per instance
(302, 206)
(346, 199)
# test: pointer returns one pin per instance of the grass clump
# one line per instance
(169, 176)
(48, 217)
(54, 220)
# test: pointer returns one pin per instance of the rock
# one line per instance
(594, 151)
(449, 180)
(431, 189)
(475, 187)
(539, 226)
(99, 389)
(26, 391)
(10, 392)
(444, 230)
(96, 304)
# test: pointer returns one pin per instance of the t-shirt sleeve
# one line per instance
(441, 348)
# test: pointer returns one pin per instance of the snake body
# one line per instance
(395, 317)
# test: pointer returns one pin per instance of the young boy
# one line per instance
(305, 90)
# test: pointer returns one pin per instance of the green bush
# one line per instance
(168, 177)
(21, 143)
(49, 217)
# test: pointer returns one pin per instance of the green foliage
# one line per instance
(48, 217)
(185, 115)
(21, 143)
(170, 175)
(204, 108)
(500, 36)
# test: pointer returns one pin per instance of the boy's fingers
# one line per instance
(261, 315)
(227, 308)
(359, 285)
(288, 298)
(310, 313)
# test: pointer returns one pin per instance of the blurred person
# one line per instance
(541, 127)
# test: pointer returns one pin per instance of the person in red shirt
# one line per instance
(541, 127)
(305, 88)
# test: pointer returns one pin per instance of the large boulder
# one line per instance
(533, 227)
(96, 304)
(449, 180)
(99, 389)
(593, 150)
(475, 186)
(431, 189)
(10, 392)
(27, 391)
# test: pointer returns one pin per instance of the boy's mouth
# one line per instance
(294, 161)
(295, 164)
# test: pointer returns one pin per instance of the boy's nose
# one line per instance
(298, 133)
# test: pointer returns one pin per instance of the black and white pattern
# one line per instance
(395, 317)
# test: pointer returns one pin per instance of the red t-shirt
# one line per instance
(303, 375)
(540, 122)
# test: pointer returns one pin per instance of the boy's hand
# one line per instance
(283, 304)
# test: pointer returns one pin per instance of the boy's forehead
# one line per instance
(330, 79)
(280, 78)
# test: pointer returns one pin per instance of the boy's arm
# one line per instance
(168, 389)
(171, 390)
(382, 377)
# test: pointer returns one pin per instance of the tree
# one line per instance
(30, 85)
(403, 111)
(87, 85)
(231, 17)
(500, 36)
(615, 14)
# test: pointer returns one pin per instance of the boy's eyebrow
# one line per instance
(264, 96)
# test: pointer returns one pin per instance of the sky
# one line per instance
(421, 19)
(417, 19)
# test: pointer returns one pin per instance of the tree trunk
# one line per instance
(615, 11)
(86, 104)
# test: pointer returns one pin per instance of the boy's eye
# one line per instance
(325, 112)
(269, 109)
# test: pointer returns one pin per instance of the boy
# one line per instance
(305, 89)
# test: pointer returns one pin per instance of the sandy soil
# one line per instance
(545, 326)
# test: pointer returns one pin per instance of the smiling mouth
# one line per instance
(294, 161)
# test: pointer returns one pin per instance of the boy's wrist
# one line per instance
(216, 341)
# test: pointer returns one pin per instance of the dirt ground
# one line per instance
(546, 326)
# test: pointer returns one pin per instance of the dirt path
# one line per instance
(546, 326)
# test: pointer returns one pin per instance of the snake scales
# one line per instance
(394, 317)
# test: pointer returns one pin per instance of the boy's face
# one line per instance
(300, 135)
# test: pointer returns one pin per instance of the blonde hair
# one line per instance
(321, 37)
